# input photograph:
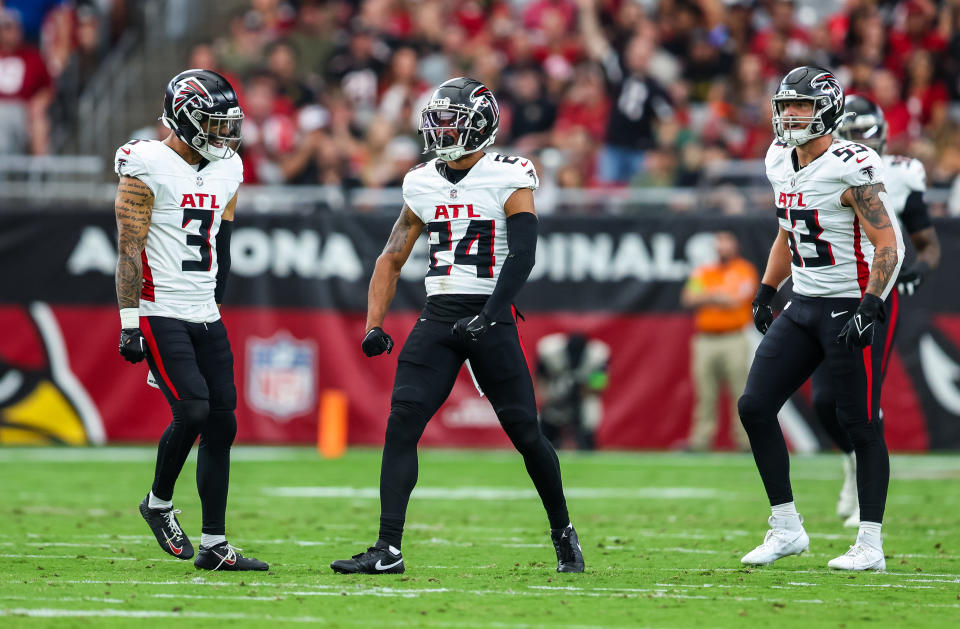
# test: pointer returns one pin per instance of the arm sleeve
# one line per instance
(915, 216)
(522, 252)
(223, 259)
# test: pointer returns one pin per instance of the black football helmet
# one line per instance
(461, 118)
(817, 85)
(867, 127)
(202, 109)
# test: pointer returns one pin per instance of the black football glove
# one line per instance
(472, 328)
(911, 278)
(133, 347)
(762, 312)
(376, 342)
(857, 332)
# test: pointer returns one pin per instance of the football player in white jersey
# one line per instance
(477, 209)
(906, 181)
(842, 246)
(175, 207)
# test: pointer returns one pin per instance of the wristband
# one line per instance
(129, 318)
(765, 294)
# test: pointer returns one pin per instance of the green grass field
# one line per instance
(662, 535)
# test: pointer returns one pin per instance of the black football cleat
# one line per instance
(567, 545)
(225, 557)
(378, 559)
(163, 523)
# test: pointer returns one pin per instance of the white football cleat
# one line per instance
(853, 522)
(860, 557)
(779, 541)
(847, 503)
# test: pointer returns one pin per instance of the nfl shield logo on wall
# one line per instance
(281, 375)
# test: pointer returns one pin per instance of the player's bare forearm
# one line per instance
(133, 208)
(383, 286)
(778, 262)
(883, 269)
(383, 283)
(927, 245)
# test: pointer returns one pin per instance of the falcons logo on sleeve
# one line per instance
(190, 90)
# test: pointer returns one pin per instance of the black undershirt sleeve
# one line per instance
(522, 246)
(915, 215)
(223, 259)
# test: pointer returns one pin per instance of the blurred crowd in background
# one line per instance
(602, 93)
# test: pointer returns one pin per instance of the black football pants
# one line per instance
(426, 371)
(193, 364)
(802, 338)
(824, 395)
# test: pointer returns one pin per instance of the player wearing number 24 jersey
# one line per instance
(841, 244)
(175, 207)
(477, 209)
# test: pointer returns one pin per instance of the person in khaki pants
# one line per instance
(720, 294)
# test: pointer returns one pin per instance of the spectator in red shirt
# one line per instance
(918, 33)
(26, 91)
(886, 93)
(784, 26)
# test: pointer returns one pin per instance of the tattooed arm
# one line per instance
(883, 231)
(383, 284)
(133, 207)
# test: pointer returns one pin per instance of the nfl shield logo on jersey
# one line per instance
(281, 375)
(453, 193)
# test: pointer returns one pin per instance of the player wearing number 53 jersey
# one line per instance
(842, 246)
(477, 209)
(175, 207)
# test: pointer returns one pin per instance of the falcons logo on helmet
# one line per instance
(828, 84)
(188, 91)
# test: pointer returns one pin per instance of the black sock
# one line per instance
(873, 469)
(399, 468)
(175, 443)
(213, 470)
(542, 464)
(769, 448)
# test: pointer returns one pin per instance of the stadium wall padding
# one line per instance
(295, 313)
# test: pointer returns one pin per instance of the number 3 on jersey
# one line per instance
(479, 238)
(201, 240)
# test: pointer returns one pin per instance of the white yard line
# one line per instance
(45, 612)
(493, 493)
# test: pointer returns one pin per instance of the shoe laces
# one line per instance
(858, 550)
(230, 555)
(565, 547)
(171, 518)
(369, 551)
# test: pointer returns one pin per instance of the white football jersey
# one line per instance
(466, 224)
(180, 256)
(831, 252)
(901, 176)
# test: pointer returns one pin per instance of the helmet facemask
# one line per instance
(451, 130)
(811, 126)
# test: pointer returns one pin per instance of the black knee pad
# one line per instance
(522, 427)
(865, 434)
(406, 422)
(221, 428)
(752, 409)
(224, 398)
(192, 413)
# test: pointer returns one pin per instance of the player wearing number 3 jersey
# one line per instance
(477, 209)
(175, 207)
(843, 248)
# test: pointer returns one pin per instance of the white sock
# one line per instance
(155, 503)
(209, 541)
(786, 513)
(870, 534)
